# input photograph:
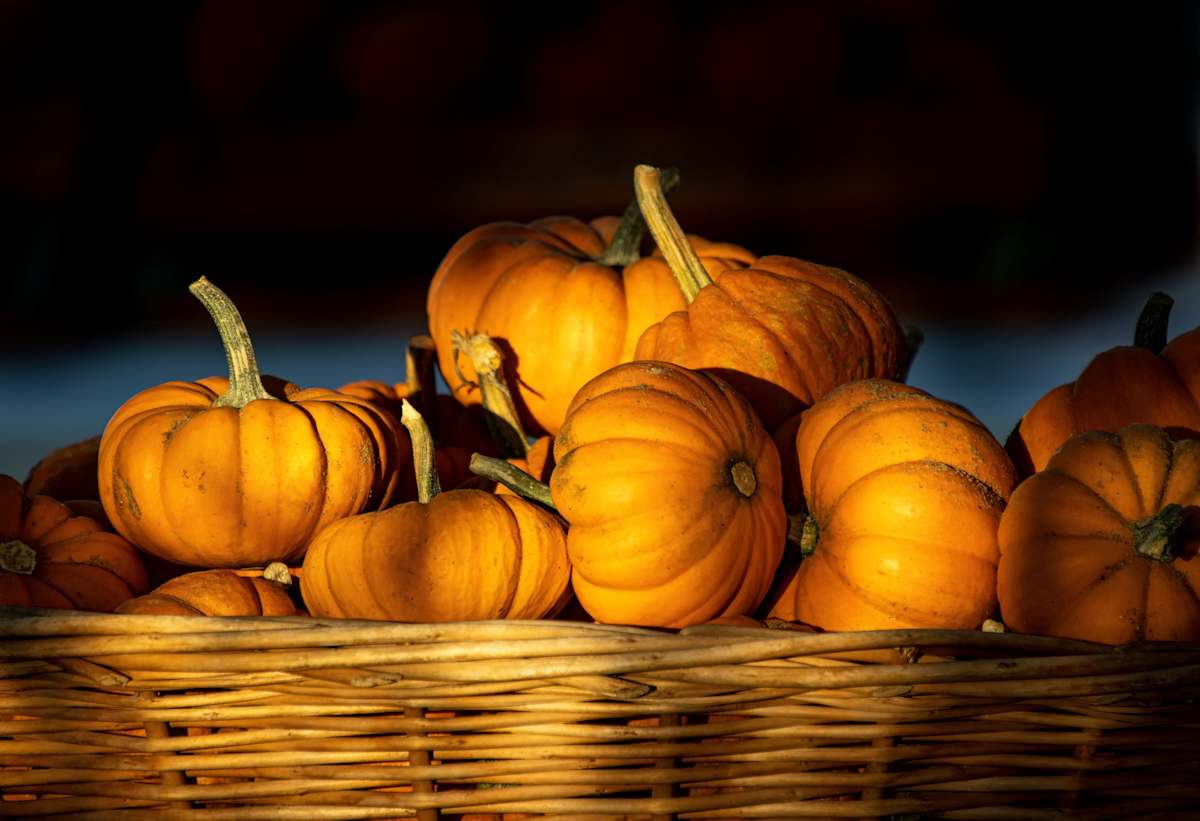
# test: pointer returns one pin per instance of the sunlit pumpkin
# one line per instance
(566, 299)
(219, 593)
(671, 487)
(455, 556)
(1151, 381)
(1102, 544)
(222, 473)
(904, 494)
(782, 331)
(50, 557)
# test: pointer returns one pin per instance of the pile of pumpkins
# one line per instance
(650, 433)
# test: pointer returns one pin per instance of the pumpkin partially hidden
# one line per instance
(564, 300)
(66, 473)
(782, 331)
(218, 593)
(672, 490)
(52, 558)
(904, 494)
(1102, 544)
(460, 555)
(222, 473)
(1152, 382)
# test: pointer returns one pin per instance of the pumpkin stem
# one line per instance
(245, 382)
(512, 477)
(804, 532)
(676, 250)
(17, 557)
(278, 572)
(420, 362)
(744, 479)
(1155, 536)
(626, 243)
(1151, 331)
(503, 420)
(428, 485)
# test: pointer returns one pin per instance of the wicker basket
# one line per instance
(145, 717)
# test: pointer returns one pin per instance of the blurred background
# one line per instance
(1015, 177)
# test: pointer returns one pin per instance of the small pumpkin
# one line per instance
(671, 488)
(567, 298)
(222, 473)
(460, 555)
(50, 557)
(219, 592)
(1101, 544)
(781, 331)
(66, 473)
(1151, 381)
(458, 430)
(904, 494)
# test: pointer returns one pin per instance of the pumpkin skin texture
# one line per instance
(214, 593)
(199, 482)
(1070, 560)
(75, 563)
(561, 316)
(1146, 382)
(905, 492)
(672, 491)
(66, 473)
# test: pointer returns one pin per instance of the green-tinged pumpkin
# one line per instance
(671, 488)
(222, 473)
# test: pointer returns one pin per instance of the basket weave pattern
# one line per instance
(146, 717)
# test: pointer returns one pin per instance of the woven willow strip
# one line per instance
(207, 719)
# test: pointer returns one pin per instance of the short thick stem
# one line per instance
(1151, 331)
(803, 532)
(278, 572)
(245, 381)
(512, 477)
(625, 248)
(17, 557)
(503, 419)
(743, 478)
(1155, 537)
(676, 250)
(428, 485)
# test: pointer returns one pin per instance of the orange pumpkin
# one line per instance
(455, 556)
(221, 473)
(52, 558)
(1102, 544)
(782, 331)
(458, 430)
(672, 491)
(66, 473)
(904, 494)
(1150, 381)
(219, 593)
(565, 298)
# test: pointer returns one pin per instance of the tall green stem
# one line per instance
(676, 250)
(627, 241)
(245, 381)
(512, 477)
(1151, 331)
(428, 485)
(503, 419)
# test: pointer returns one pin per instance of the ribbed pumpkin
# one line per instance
(782, 331)
(51, 558)
(219, 593)
(66, 473)
(904, 494)
(1102, 544)
(221, 473)
(1151, 381)
(671, 488)
(566, 298)
(455, 556)
(458, 430)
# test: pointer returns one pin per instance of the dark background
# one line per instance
(1013, 176)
